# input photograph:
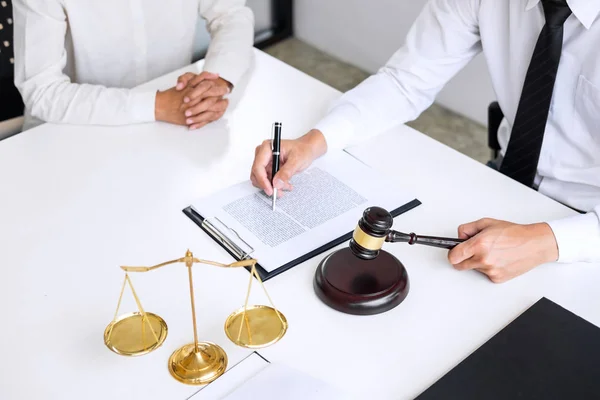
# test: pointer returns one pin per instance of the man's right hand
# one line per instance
(296, 155)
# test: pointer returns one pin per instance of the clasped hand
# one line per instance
(195, 101)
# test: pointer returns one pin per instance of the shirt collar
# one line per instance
(586, 11)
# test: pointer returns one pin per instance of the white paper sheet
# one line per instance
(278, 382)
(327, 201)
(232, 379)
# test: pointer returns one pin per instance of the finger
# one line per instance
(205, 75)
(281, 180)
(220, 106)
(202, 91)
(462, 252)
(496, 275)
(198, 126)
(212, 114)
(253, 180)
(183, 80)
(207, 116)
(202, 106)
(216, 90)
(262, 159)
(471, 263)
(197, 92)
(471, 229)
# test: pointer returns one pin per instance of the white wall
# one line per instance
(365, 33)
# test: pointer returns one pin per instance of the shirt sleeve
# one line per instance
(443, 39)
(231, 27)
(40, 58)
(578, 237)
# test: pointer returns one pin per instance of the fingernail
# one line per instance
(179, 86)
(186, 99)
(188, 113)
(278, 184)
(189, 121)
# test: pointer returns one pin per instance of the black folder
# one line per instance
(263, 273)
(546, 353)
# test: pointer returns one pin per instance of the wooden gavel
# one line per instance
(375, 228)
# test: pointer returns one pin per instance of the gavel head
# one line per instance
(370, 234)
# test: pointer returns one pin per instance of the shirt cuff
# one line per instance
(339, 126)
(143, 105)
(578, 238)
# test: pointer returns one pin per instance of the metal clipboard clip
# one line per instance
(228, 237)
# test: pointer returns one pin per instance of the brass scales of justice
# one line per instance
(198, 363)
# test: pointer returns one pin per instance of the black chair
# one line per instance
(11, 104)
(495, 116)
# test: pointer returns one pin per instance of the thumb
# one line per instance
(281, 180)
(471, 229)
(204, 75)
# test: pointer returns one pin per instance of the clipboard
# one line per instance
(235, 245)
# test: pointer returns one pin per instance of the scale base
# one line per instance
(130, 335)
(362, 287)
(263, 327)
(198, 368)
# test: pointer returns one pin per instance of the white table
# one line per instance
(77, 202)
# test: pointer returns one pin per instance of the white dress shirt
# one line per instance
(445, 37)
(76, 61)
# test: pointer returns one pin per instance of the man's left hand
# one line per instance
(503, 250)
(204, 103)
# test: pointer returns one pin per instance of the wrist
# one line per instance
(159, 106)
(316, 142)
(548, 244)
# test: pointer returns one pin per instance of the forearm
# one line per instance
(443, 39)
(231, 27)
(61, 101)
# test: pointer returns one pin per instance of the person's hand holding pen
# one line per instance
(295, 156)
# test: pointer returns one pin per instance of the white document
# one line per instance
(278, 382)
(326, 202)
(232, 379)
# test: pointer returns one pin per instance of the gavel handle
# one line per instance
(412, 238)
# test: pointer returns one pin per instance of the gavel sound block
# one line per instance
(362, 279)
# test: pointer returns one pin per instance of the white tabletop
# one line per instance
(77, 202)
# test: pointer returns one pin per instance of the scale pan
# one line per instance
(263, 327)
(130, 335)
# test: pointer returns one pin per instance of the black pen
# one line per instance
(276, 147)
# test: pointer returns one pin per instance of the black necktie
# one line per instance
(523, 152)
